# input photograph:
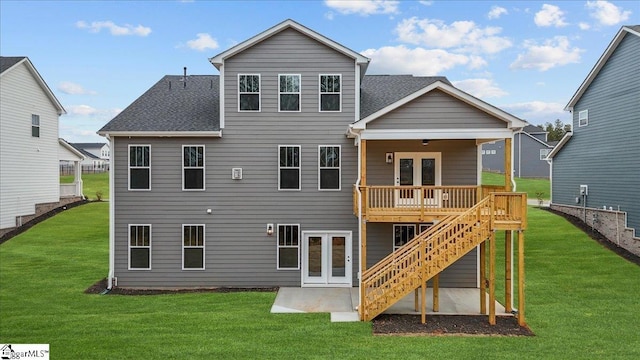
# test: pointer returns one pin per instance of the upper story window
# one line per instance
(289, 92)
(289, 167)
(35, 125)
(193, 167)
(139, 167)
(249, 92)
(330, 93)
(329, 168)
(583, 118)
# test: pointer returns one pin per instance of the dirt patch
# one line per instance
(101, 286)
(446, 325)
(595, 235)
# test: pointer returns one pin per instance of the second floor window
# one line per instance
(329, 168)
(139, 167)
(35, 125)
(583, 118)
(289, 167)
(193, 167)
(289, 99)
(249, 92)
(330, 93)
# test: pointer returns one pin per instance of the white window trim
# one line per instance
(320, 93)
(299, 167)
(544, 153)
(203, 247)
(393, 234)
(35, 116)
(204, 171)
(424, 226)
(286, 247)
(339, 168)
(259, 92)
(137, 167)
(299, 93)
(586, 118)
(138, 247)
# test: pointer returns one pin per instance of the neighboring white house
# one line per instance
(96, 155)
(29, 146)
(67, 154)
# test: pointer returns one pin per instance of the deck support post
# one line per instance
(492, 279)
(416, 300)
(508, 171)
(483, 278)
(423, 310)
(521, 320)
(508, 286)
(436, 293)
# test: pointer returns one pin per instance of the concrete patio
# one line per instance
(342, 302)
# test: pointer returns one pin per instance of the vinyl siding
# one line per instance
(526, 158)
(605, 154)
(436, 110)
(29, 169)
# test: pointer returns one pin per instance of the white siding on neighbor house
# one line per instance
(28, 165)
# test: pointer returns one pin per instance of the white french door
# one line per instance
(417, 169)
(326, 258)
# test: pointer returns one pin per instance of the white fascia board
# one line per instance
(599, 65)
(559, 146)
(512, 121)
(162, 133)
(218, 59)
(436, 134)
(73, 150)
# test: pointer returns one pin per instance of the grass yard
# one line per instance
(582, 303)
(531, 186)
(91, 184)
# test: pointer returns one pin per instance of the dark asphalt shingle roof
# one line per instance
(8, 61)
(533, 129)
(87, 145)
(170, 106)
(380, 91)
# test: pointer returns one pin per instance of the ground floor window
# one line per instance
(193, 247)
(402, 233)
(139, 247)
(288, 247)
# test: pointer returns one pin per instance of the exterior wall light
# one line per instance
(270, 229)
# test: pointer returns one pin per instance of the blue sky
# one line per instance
(527, 57)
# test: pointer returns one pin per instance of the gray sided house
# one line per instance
(293, 168)
(596, 168)
(530, 150)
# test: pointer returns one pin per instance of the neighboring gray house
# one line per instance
(258, 177)
(596, 168)
(530, 150)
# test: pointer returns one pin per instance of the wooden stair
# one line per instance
(432, 251)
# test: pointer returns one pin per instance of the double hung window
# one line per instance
(289, 92)
(288, 247)
(139, 167)
(330, 93)
(35, 125)
(249, 92)
(329, 167)
(139, 247)
(193, 167)
(289, 167)
(193, 247)
(402, 234)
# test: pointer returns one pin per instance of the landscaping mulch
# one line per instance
(447, 325)
(101, 286)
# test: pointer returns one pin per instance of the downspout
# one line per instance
(112, 208)
(357, 135)
(513, 189)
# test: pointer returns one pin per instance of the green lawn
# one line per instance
(531, 186)
(91, 184)
(582, 303)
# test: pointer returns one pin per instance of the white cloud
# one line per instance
(481, 88)
(71, 88)
(418, 61)
(464, 36)
(77, 111)
(426, 2)
(607, 13)
(82, 110)
(496, 12)
(538, 112)
(116, 30)
(554, 52)
(203, 42)
(363, 7)
(550, 15)
(584, 26)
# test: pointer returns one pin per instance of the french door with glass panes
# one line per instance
(417, 169)
(326, 258)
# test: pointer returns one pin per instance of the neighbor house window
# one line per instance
(289, 167)
(544, 153)
(139, 167)
(249, 92)
(35, 125)
(192, 167)
(329, 168)
(583, 118)
(330, 93)
(288, 247)
(139, 247)
(192, 247)
(402, 234)
(289, 98)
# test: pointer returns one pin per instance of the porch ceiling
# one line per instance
(436, 134)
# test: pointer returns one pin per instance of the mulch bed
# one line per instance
(101, 286)
(447, 325)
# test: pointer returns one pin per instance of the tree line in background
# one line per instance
(556, 130)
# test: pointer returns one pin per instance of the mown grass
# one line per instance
(532, 187)
(582, 303)
(91, 184)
